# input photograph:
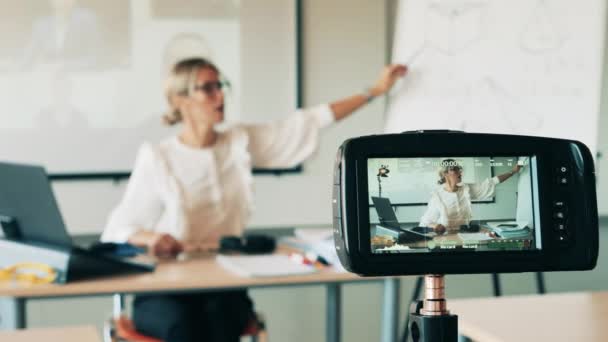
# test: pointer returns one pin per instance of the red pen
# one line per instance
(300, 259)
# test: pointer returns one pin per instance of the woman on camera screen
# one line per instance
(450, 204)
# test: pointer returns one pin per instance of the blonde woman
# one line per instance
(450, 204)
(190, 189)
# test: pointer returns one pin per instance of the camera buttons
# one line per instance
(560, 215)
(559, 204)
(337, 227)
(336, 205)
(560, 227)
(339, 237)
(562, 170)
(337, 175)
(563, 237)
(562, 173)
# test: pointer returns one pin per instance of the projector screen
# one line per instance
(81, 81)
(530, 67)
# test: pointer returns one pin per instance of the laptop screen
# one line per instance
(385, 212)
(28, 205)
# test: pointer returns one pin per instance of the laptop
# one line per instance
(390, 224)
(29, 214)
(385, 212)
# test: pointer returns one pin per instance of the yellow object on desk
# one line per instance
(29, 273)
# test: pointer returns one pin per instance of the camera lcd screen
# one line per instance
(453, 204)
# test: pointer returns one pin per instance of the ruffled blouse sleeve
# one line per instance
(483, 190)
(141, 205)
(287, 142)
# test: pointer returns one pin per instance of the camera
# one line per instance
(449, 202)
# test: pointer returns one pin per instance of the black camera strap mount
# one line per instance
(430, 320)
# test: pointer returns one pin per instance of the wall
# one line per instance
(328, 50)
(344, 50)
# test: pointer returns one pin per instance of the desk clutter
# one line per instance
(510, 229)
(313, 251)
(66, 263)
(248, 244)
(315, 241)
(28, 273)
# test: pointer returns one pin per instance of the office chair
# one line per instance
(120, 328)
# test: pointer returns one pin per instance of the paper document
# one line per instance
(474, 237)
(271, 265)
(507, 225)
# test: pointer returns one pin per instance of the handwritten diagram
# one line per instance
(517, 66)
(452, 26)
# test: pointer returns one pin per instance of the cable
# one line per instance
(415, 297)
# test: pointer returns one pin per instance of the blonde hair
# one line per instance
(447, 165)
(181, 81)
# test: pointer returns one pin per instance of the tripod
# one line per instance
(429, 319)
(434, 294)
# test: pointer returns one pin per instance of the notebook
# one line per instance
(468, 237)
(507, 226)
(268, 265)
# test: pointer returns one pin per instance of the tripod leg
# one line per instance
(390, 311)
(540, 283)
(415, 297)
(496, 285)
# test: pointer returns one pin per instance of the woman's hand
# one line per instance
(164, 245)
(516, 168)
(389, 75)
(346, 106)
(439, 229)
(503, 177)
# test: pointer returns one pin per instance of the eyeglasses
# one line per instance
(209, 88)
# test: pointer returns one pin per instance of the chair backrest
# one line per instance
(120, 327)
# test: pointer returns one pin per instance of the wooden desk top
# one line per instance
(452, 239)
(202, 273)
(70, 334)
(554, 317)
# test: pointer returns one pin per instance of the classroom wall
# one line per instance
(330, 71)
(344, 49)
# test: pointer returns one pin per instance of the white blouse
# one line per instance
(198, 195)
(453, 209)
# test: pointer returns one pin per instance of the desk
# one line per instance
(580, 316)
(453, 239)
(70, 334)
(200, 274)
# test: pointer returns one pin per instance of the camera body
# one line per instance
(466, 203)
